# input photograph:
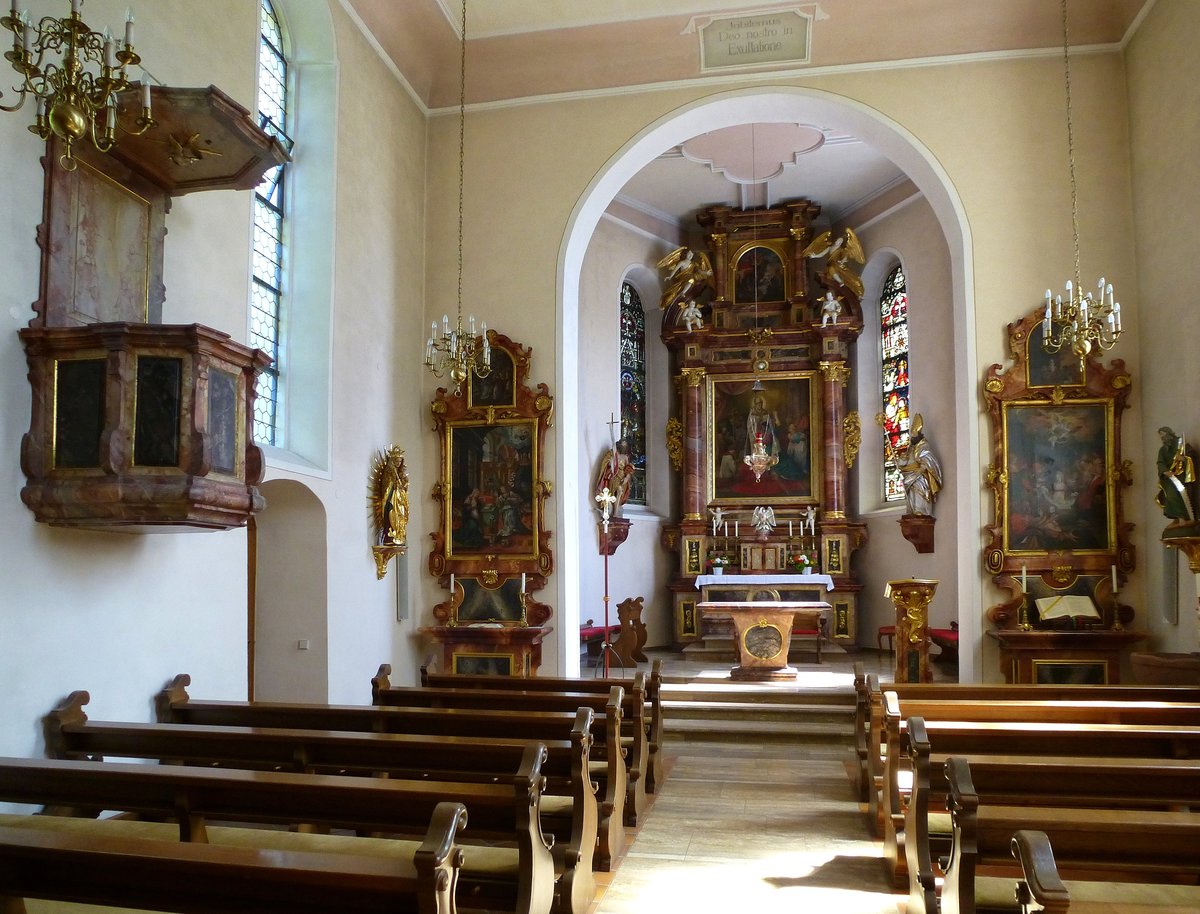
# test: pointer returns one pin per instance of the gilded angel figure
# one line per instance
(840, 255)
(688, 273)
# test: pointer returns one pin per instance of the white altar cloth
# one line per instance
(735, 580)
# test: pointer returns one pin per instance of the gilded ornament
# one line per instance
(490, 576)
(675, 443)
(851, 437)
(838, 372)
(760, 334)
(693, 376)
(841, 254)
(993, 385)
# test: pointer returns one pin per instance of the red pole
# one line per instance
(605, 650)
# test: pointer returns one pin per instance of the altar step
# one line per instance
(753, 713)
(719, 649)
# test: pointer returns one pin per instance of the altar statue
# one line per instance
(688, 275)
(840, 256)
(921, 471)
(616, 474)
(1176, 479)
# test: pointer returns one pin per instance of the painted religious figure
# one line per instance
(616, 475)
(492, 503)
(778, 417)
(1058, 480)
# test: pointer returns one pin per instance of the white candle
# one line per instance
(522, 582)
(15, 14)
(789, 529)
(110, 59)
(735, 528)
(1023, 580)
(27, 39)
(452, 585)
(726, 528)
(145, 92)
(1114, 579)
(75, 4)
(128, 27)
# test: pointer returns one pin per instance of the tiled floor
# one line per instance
(743, 827)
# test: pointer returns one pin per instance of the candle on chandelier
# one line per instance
(145, 93)
(129, 27)
(75, 4)
(110, 59)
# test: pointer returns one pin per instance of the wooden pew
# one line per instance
(868, 726)
(1108, 845)
(207, 879)
(1041, 738)
(633, 708)
(655, 772)
(507, 808)
(1117, 783)
(569, 807)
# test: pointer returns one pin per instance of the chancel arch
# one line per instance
(773, 104)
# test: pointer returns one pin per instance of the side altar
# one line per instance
(762, 439)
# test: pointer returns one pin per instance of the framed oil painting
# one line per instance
(490, 504)
(785, 411)
(1059, 481)
(760, 273)
(499, 387)
(1049, 369)
(483, 603)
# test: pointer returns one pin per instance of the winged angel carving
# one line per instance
(688, 274)
(840, 253)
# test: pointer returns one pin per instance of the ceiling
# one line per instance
(523, 50)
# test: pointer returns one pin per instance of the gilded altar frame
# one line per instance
(492, 532)
(1057, 474)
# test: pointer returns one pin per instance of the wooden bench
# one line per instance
(49, 855)
(1101, 782)
(868, 715)
(635, 743)
(655, 771)
(518, 878)
(1041, 738)
(1095, 843)
(569, 807)
(206, 879)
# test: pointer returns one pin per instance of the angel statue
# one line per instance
(688, 274)
(839, 256)
(389, 497)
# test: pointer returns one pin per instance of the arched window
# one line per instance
(266, 284)
(633, 387)
(893, 325)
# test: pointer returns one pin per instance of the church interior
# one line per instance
(799, 310)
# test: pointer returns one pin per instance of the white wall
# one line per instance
(1164, 88)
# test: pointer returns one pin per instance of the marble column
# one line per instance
(836, 374)
(691, 381)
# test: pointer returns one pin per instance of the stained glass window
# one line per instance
(266, 285)
(893, 324)
(633, 387)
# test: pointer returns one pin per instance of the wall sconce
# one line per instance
(72, 101)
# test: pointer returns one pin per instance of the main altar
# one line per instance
(761, 365)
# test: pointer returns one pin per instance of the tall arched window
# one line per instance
(633, 387)
(893, 325)
(266, 284)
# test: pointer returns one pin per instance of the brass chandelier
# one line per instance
(457, 351)
(73, 102)
(1082, 321)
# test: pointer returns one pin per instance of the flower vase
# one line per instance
(718, 570)
(807, 569)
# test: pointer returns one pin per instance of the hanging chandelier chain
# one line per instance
(1083, 322)
(1071, 144)
(462, 146)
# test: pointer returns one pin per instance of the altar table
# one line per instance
(763, 633)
